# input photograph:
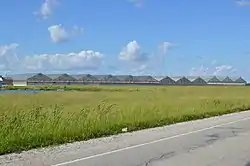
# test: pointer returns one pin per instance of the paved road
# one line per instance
(219, 141)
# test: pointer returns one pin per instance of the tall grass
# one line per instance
(37, 120)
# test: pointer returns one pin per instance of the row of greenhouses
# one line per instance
(41, 79)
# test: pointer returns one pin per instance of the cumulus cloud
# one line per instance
(8, 58)
(59, 34)
(86, 60)
(46, 8)
(132, 53)
(140, 61)
(5, 49)
(83, 60)
(243, 3)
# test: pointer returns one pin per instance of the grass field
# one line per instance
(50, 118)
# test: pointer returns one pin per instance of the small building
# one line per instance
(125, 78)
(106, 79)
(199, 81)
(144, 79)
(214, 80)
(7, 81)
(21, 79)
(100, 78)
(183, 81)
(167, 81)
(227, 81)
(39, 79)
(240, 81)
(64, 79)
(110, 79)
(87, 79)
(206, 78)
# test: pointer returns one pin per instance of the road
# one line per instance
(218, 141)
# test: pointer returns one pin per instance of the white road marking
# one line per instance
(148, 143)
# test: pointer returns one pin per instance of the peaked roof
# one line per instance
(39, 77)
(21, 77)
(214, 80)
(87, 77)
(125, 77)
(183, 80)
(65, 77)
(100, 77)
(110, 78)
(221, 78)
(234, 78)
(144, 79)
(167, 80)
(240, 80)
(199, 80)
(228, 80)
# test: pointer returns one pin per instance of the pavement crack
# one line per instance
(163, 156)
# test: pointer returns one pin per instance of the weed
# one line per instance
(37, 120)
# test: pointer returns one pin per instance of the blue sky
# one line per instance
(126, 37)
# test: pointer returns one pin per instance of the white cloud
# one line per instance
(137, 3)
(5, 49)
(46, 9)
(164, 47)
(141, 68)
(77, 30)
(141, 62)
(58, 34)
(200, 71)
(243, 3)
(83, 60)
(222, 68)
(8, 57)
(159, 58)
(87, 60)
(132, 53)
(217, 70)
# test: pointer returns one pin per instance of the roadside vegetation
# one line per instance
(89, 88)
(36, 120)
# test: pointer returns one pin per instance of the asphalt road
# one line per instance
(219, 141)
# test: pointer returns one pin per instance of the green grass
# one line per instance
(93, 88)
(51, 118)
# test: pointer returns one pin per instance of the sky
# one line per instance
(139, 37)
